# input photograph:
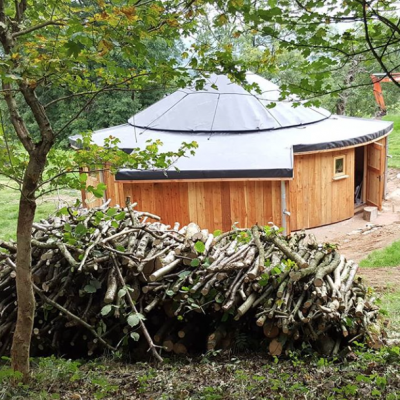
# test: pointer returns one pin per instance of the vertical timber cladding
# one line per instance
(316, 197)
(213, 205)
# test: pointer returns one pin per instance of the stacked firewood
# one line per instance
(110, 278)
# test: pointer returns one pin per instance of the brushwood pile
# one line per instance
(117, 279)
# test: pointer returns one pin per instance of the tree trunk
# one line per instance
(25, 295)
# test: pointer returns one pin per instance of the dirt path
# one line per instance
(355, 240)
(381, 279)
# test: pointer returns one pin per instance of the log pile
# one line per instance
(110, 278)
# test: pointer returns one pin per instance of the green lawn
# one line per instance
(9, 199)
(394, 141)
(387, 257)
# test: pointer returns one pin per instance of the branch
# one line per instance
(73, 316)
(16, 119)
(78, 114)
(371, 47)
(36, 27)
(2, 12)
(80, 94)
(69, 172)
(46, 131)
(20, 8)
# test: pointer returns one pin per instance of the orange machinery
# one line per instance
(377, 79)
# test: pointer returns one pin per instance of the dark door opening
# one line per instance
(359, 181)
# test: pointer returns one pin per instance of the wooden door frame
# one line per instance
(382, 172)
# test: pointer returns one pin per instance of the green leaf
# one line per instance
(120, 216)
(80, 229)
(74, 48)
(89, 289)
(225, 317)
(67, 228)
(199, 246)
(114, 224)
(120, 248)
(184, 274)
(195, 262)
(95, 283)
(106, 310)
(134, 319)
(111, 212)
(135, 336)
(63, 211)
(83, 178)
(121, 293)
(170, 292)
(217, 233)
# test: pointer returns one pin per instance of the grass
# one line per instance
(394, 141)
(9, 200)
(387, 257)
(390, 303)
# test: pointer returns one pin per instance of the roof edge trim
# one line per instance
(303, 148)
(133, 175)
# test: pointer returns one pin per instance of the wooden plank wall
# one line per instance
(315, 197)
(213, 205)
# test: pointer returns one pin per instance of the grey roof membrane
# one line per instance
(238, 136)
(229, 108)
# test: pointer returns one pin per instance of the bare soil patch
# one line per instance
(381, 279)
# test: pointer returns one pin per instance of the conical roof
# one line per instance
(238, 135)
(226, 107)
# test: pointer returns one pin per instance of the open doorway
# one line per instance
(359, 175)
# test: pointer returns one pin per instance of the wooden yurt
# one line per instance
(298, 167)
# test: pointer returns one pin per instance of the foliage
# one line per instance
(318, 50)
(110, 108)
(62, 167)
(394, 140)
(330, 37)
(221, 376)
